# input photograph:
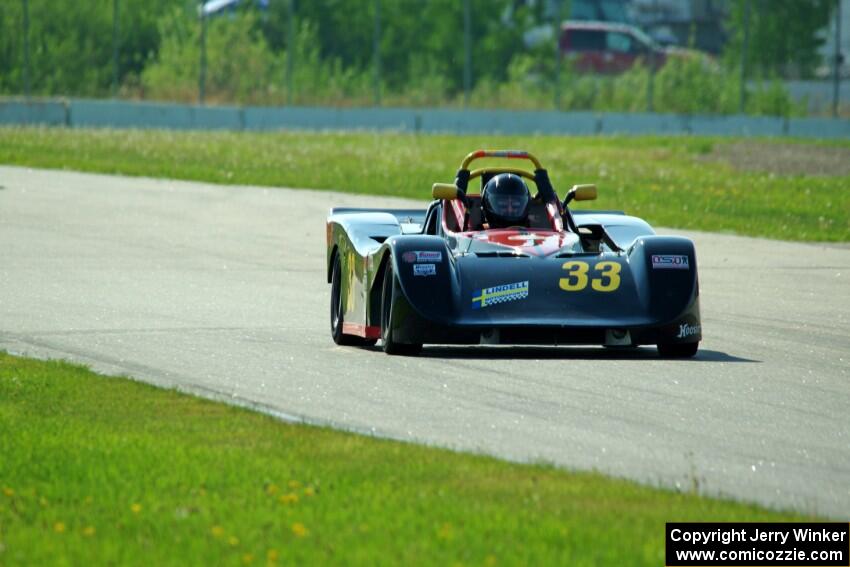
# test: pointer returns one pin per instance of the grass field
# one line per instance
(99, 470)
(683, 182)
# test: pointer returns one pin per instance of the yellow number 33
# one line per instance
(576, 279)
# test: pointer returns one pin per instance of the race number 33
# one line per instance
(606, 276)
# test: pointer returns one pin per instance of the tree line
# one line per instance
(326, 54)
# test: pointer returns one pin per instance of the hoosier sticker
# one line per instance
(415, 256)
(669, 262)
(499, 294)
(686, 330)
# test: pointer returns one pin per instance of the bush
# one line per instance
(690, 84)
(239, 62)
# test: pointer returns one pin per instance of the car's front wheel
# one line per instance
(389, 344)
(337, 319)
(678, 350)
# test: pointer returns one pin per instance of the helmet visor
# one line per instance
(509, 206)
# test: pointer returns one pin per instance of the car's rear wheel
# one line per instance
(337, 319)
(678, 350)
(389, 344)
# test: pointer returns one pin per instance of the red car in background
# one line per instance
(608, 48)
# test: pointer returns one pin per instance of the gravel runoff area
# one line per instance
(783, 158)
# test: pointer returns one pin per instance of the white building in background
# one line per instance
(213, 7)
(683, 22)
(828, 49)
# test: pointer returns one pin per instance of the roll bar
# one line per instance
(508, 154)
(497, 170)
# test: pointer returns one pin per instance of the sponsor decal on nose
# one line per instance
(499, 294)
(670, 262)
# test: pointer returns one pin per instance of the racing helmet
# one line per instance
(506, 199)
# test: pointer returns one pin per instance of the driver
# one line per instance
(506, 199)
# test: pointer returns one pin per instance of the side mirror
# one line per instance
(448, 191)
(586, 192)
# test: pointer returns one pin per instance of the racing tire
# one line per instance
(389, 345)
(339, 337)
(678, 350)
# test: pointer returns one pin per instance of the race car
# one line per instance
(495, 266)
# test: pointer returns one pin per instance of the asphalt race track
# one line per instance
(221, 291)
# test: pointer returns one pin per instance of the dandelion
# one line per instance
(309, 491)
(88, 531)
(299, 530)
(248, 558)
(8, 491)
(294, 484)
(289, 498)
(271, 489)
(135, 508)
(217, 531)
(490, 560)
(233, 541)
(272, 555)
(59, 527)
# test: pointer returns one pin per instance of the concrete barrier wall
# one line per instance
(119, 114)
(315, 118)
(819, 128)
(736, 125)
(44, 113)
(642, 123)
(123, 114)
(507, 122)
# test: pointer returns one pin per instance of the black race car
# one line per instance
(446, 276)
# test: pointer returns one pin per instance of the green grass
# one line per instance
(667, 181)
(99, 470)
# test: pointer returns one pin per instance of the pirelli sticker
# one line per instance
(499, 294)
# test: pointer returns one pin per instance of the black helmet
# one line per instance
(506, 200)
